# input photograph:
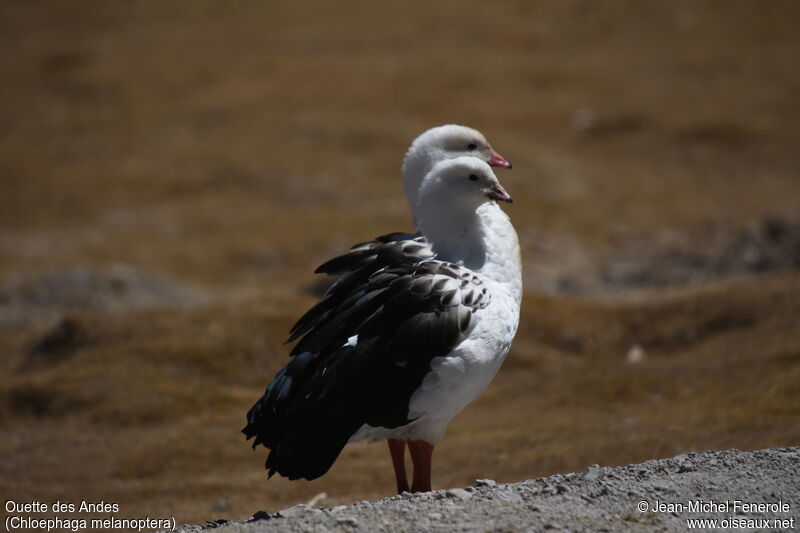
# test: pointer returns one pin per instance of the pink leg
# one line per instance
(421, 453)
(397, 448)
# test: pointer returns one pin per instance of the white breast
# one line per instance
(458, 378)
(455, 380)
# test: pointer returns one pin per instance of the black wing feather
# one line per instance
(355, 267)
(406, 308)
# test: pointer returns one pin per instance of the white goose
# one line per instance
(434, 145)
(395, 352)
(437, 144)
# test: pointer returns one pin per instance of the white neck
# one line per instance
(481, 239)
(416, 165)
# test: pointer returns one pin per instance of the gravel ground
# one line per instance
(599, 499)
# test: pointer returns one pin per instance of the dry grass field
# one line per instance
(172, 173)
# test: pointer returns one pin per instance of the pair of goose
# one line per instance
(414, 328)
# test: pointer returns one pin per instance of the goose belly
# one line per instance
(453, 383)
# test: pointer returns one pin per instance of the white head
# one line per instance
(440, 143)
(449, 200)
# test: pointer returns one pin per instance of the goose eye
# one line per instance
(472, 146)
(473, 177)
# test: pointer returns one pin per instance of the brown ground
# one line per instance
(171, 175)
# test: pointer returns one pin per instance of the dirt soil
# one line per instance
(171, 175)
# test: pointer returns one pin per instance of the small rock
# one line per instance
(485, 483)
(435, 516)
(300, 508)
(347, 521)
(316, 500)
(635, 355)
(508, 496)
(458, 494)
(593, 473)
(263, 515)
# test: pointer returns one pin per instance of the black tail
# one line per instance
(304, 418)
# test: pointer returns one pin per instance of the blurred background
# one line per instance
(172, 173)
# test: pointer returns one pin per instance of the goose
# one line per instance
(443, 142)
(403, 342)
(436, 144)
